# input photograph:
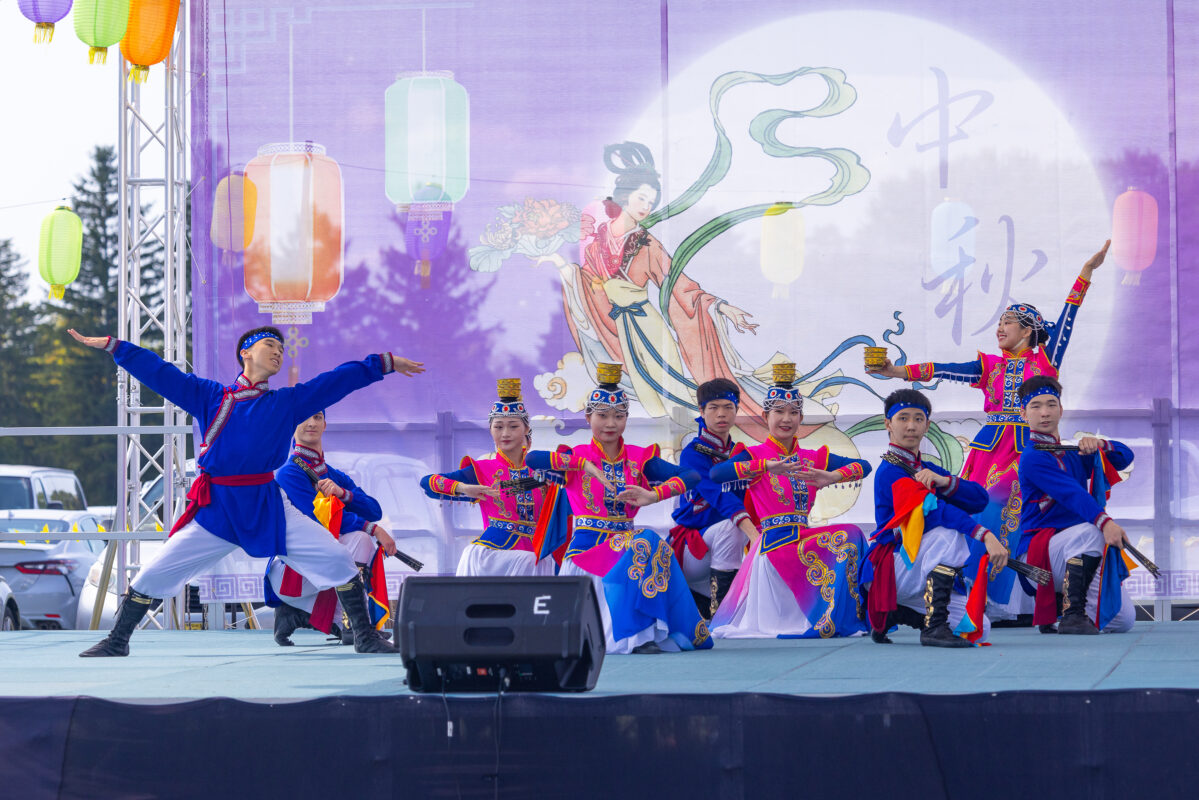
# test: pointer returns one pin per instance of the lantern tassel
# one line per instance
(423, 269)
(43, 32)
(781, 291)
(97, 55)
(57, 291)
(1131, 279)
(139, 73)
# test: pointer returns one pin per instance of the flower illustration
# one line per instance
(541, 219)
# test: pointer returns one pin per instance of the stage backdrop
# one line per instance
(429, 178)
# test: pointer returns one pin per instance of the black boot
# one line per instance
(1075, 583)
(703, 604)
(353, 601)
(133, 607)
(287, 620)
(937, 590)
(719, 581)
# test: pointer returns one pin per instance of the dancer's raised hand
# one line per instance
(98, 342)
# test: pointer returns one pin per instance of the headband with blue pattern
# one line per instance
(1027, 315)
(895, 409)
(1038, 392)
(258, 337)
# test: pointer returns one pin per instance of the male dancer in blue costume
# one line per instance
(1063, 526)
(235, 501)
(296, 600)
(712, 527)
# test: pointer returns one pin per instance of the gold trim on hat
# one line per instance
(508, 388)
(783, 373)
(608, 373)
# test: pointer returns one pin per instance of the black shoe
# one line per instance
(353, 601)
(937, 589)
(287, 620)
(1047, 628)
(880, 637)
(648, 648)
(719, 581)
(133, 608)
(1075, 583)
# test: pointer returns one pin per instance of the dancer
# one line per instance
(1063, 527)
(235, 500)
(796, 581)
(1028, 346)
(712, 527)
(297, 602)
(509, 515)
(916, 553)
(643, 597)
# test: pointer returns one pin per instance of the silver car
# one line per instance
(47, 575)
(10, 613)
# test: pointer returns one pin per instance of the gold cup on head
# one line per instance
(783, 373)
(608, 374)
(876, 357)
(508, 388)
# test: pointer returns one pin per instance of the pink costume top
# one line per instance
(781, 503)
(596, 515)
(508, 522)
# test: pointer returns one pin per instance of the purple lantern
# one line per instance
(426, 231)
(44, 13)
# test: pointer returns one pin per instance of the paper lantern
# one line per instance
(44, 13)
(952, 229)
(293, 263)
(60, 249)
(427, 119)
(781, 253)
(148, 37)
(100, 24)
(233, 209)
(1134, 233)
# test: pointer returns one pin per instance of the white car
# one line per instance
(46, 576)
(10, 613)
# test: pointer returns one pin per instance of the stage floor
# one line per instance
(247, 665)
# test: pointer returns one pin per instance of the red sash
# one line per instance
(200, 493)
(882, 597)
(683, 538)
(1045, 610)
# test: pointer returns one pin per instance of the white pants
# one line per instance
(311, 551)
(938, 546)
(359, 544)
(481, 561)
(658, 632)
(1086, 540)
(726, 548)
(768, 608)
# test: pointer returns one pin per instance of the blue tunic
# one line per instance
(706, 503)
(1054, 487)
(359, 512)
(960, 499)
(255, 436)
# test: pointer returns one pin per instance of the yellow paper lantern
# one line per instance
(781, 255)
(60, 249)
(233, 210)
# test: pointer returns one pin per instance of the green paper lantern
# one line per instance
(427, 154)
(100, 24)
(60, 249)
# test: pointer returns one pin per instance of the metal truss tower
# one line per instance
(153, 192)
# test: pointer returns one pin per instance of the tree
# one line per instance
(17, 342)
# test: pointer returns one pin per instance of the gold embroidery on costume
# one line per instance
(641, 555)
(821, 577)
(1011, 515)
(701, 632)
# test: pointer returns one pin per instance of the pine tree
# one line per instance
(17, 338)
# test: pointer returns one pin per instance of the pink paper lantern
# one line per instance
(1134, 233)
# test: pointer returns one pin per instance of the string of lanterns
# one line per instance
(145, 29)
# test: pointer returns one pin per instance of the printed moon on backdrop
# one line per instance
(426, 160)
(60, 249)
(1134, 233)
(43, 14)
(148, 36)
(233, 208)
(293, 262)
(781, 252)
(100, 24)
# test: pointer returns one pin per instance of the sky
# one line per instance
(57, 108)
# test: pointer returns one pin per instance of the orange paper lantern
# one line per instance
(149, 35)
(293, 264)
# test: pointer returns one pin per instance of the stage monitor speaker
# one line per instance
(532, 634)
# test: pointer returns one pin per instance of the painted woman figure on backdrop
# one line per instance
(1028, 346)
(614, 316)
